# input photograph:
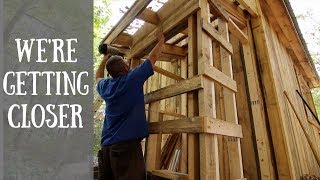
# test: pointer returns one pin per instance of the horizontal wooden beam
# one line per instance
(217, 8)
(250, 6)
(167, 174)
(219, 77)
(123, 40)
(216, 36)
(149, 16)
(181, 87)
(170, 49)
(167, 73)
(237, 32)
(168, 113)
(196, 125)
(168, 25)
(124, 22)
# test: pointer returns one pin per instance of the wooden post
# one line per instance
(153, 150)
(234, 150)
(209, 159)
(257, 109)
(193, 139)
(184, 136)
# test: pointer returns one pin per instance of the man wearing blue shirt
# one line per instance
(125, 124)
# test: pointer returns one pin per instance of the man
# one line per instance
(125, 124)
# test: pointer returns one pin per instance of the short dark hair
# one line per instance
(115, 66)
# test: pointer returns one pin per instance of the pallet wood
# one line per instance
(209, 160)
(257, 109)
(219, 77)
(167, 73)
(215, 97)
(184, 105)
(196, 125)
(237, 32)
(192, 99)
(217, 36)
(248, 143)
(283, 158)
(219, 10)
(170, 175)
(234, 150)
(181, 87)
(250, 6)
(136, 9)
(167, 25)
(311, 143)
(149, 16)
(153, 144)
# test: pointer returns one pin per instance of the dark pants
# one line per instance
(123, 161)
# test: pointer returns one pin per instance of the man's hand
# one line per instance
(100, 71)
(156, 51)
(105, 57)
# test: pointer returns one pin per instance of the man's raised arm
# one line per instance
(156, 51)
(101, 68)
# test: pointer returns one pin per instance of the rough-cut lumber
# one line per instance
(257, 109)
(219, 77)
(279, 138)
(237, 32)
(183, 165)
(153, 144)
(311, 143)
(170, 175)
(124, 22)
(167, 73)
(235, 12)
(149, 16)
(216, 36)
(168, 113)
(181, 87)
(193, 139)
(170, 49)
(289, 32)
(250, 6)
(123, 39)
(209, 158)
(234, 150)
(217, 8)
(196, 125)
(168, 24)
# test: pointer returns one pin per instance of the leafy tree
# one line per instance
(102, 14)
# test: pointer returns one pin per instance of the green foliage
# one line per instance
(101, 16)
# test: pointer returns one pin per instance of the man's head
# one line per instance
(116, 66)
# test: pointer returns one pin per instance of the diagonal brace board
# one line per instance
(124, 22)
(167, 73)
(219, 9)
(181, 87)
(197, 125)
(219, 77)
(237, 32)
(216, 36)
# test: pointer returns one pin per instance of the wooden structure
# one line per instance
(220, 82)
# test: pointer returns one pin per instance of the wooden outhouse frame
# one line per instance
(239, 58)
